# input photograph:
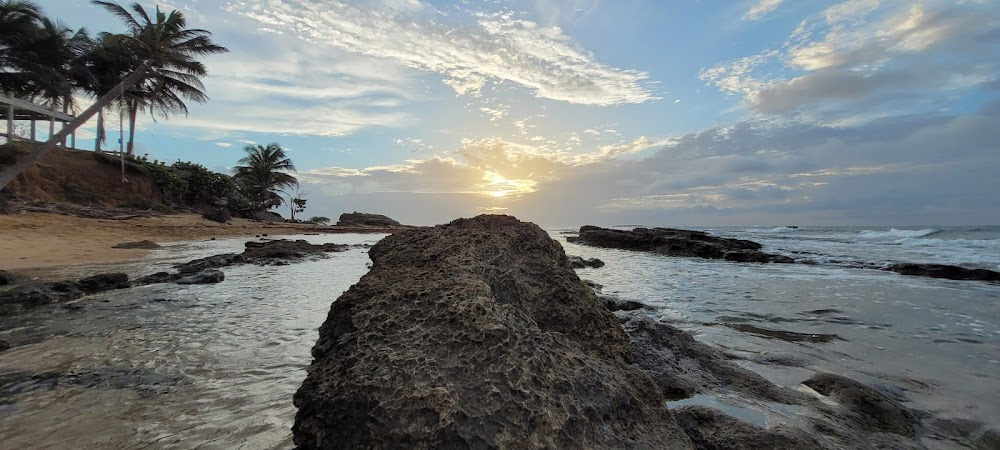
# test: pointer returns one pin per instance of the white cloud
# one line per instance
(491, 46)
(761, 9)
(863, 54)
(224, 144)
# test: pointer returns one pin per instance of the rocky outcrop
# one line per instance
(675, 242)
(144, 245)
(944, 271)
(103, 282)
(204, 277)
(267, 252)
(32, 295)
(476, 334)
(579, 262)
(356, 219)
(682, 366)
(710, 429)
(864, 408)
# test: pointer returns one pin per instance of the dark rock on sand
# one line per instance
(356, 219)
(145, 245)
(476, 334)
(220, 215)
(710, 429)
(209, 276)
(682, 366)
(864, 407)
(944, 271)
(675, 242)
(103, 282)
(578, 262)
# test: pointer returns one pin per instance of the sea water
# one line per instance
(215, 366)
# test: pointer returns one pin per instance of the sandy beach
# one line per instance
(34, 240)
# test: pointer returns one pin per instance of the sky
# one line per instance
(571, 112)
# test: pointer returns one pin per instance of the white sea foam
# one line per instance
(895, 233)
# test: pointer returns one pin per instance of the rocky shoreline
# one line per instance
(479, 334)
(699, 244)
(24, 294)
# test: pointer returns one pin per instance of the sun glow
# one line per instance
(497, 186)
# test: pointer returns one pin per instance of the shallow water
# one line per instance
(215, 366)
(163, 365)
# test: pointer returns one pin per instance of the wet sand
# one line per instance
(36, 242)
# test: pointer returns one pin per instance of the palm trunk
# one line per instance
(133, 111)
(40, 150)
(100, 131)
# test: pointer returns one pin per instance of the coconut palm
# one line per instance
(163, 44)
(263, 173)
(19, 23)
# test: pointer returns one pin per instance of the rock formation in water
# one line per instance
(476, 334)
(33, 294)
(675, 242)
(579, 262)
(365, 220)
(944, 271)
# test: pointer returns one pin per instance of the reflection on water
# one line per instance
(203, 366)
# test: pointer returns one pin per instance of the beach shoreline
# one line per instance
(39, 243)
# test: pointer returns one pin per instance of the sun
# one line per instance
(498, 194)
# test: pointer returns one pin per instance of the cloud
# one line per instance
(224, 144)
(866, 55)
(761, 9)
(485, 46)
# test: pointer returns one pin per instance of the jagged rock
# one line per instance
(682, 366)
(675, 242)
(356, 219)
(864, 407)
(211, 262)
(103, 282)
(944, 271)
(209, 276)
(710, 429)
(282, 249)
(4, 345)
(578, 262)
(144, 245)
(476, 334)
(220, 215)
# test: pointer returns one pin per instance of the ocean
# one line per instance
(215, 366)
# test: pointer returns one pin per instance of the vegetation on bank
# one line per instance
(154, 67)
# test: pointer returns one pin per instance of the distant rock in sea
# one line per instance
(944, 271)
(676, 242)
(356, 219)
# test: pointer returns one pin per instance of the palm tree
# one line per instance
(164, 45)
(161, 96)
(262, 174)
(109, 58)
(19, 23)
